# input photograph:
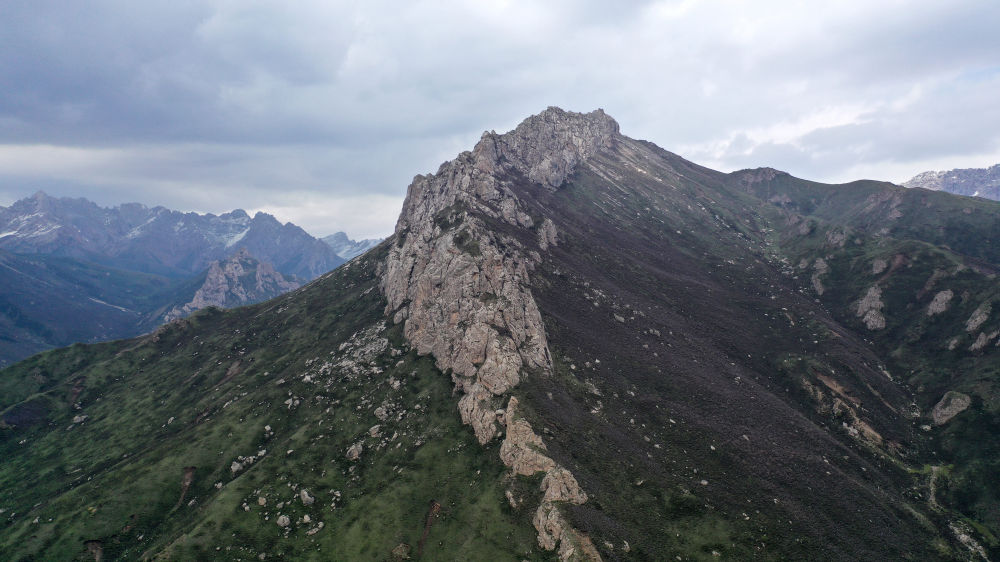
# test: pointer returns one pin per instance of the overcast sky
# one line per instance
(321, 112)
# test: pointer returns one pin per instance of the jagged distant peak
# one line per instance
(546, 147)
(976, 182)
(347, 248)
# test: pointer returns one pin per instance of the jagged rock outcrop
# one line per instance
(979, 316)
(237, 281)
(462, 289)
(869, 308)
(977, 182)
(347, 248)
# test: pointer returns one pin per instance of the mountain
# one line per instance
(157, 240)
(575, 345)
(51, 301)
(76, 272)
(347, 248)
(237, 281)
(974, 182)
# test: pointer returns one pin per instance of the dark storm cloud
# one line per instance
(313, 107)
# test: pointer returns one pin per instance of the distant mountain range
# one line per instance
(72, 271)
(974, 182)
(157, 240)
(347, 248)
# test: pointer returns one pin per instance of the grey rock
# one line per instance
(975, 182)
(236, 281)
(462, 291)
(950, 405)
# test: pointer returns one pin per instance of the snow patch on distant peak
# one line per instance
(236, 237)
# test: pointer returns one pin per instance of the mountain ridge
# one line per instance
(973, 182)
(652, 360)
(347, 248)
(131, 236)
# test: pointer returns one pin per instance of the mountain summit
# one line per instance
(576, 345)
(974, 182)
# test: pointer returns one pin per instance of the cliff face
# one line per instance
(461, 288)
(237, 281)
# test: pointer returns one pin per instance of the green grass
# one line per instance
(200, 392)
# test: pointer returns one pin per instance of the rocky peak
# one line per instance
(548, 146)
(239, 280)
(545, 148)
(462, 289)
(975, 182)
(926, 180)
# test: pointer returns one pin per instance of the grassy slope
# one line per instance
(934, 242)
(199, 393)
(53, 301)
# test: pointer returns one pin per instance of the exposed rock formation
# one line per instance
(977, 182)
(878, 266)
(950, 405)
(983, 339)
(522, 450)
(869, 309)
(462, 290)
(237, 281)
(820, 268)
(979, 316)
(940, 302)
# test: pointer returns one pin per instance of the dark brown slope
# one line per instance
(679, 353)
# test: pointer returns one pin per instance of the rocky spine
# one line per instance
(462, 290)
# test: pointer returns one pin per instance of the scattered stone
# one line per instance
(878, 266)
(354, 451)
(305, 497)
(401, 552)
(283, 521)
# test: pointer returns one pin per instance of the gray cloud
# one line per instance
(313, 107)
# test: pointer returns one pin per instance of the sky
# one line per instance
(320, 112)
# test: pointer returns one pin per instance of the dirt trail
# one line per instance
(435, 508)
(186, 483)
